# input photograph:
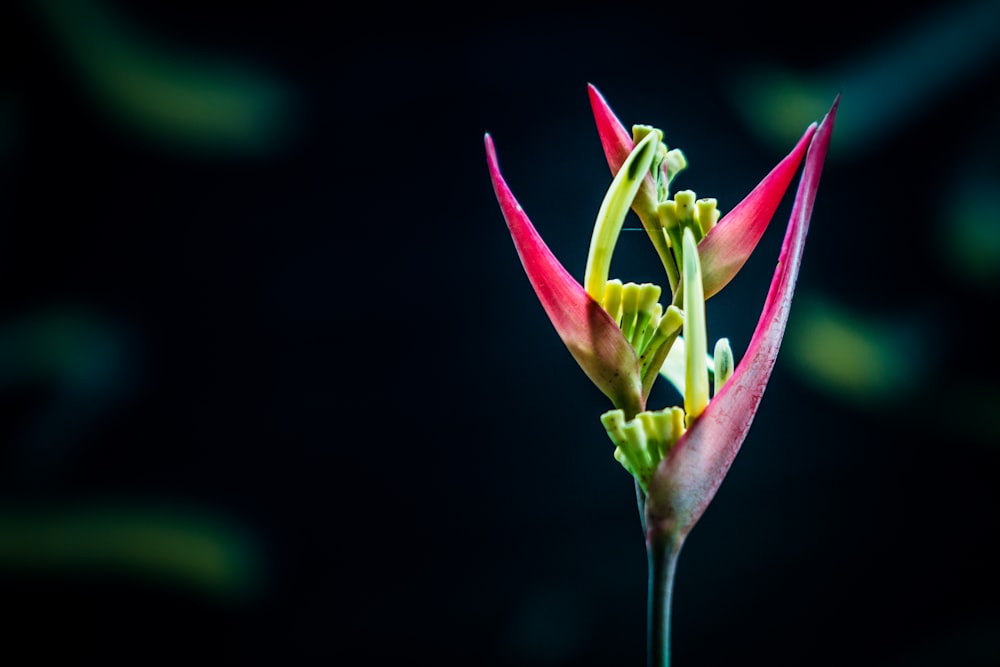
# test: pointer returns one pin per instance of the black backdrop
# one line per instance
(277, 391)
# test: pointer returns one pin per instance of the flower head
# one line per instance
(623, 337)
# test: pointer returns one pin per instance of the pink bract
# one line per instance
(687, 479)
(592, 337)
(726, 248)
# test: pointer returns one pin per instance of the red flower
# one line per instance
(620, 335)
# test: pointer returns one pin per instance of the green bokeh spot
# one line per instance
(854, 357)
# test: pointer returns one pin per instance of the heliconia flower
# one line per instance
(726, 247)
(623, 338)
(686, 480)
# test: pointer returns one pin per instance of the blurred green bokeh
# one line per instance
(175, 98)
(909, 73)
(867, 361)
(77, 364)
(973, 239)
(175, 546)
(968, 215)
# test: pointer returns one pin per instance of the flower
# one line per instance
(623, 338)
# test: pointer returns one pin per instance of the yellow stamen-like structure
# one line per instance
(661, 339)
(630, 308)
(648, 301)
(695, 335)
(640, 444)
(615, 206)
(707, 214)
(674, 163)
(724, 364)
(680, 223)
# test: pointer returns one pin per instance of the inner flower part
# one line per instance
(641, 443)
(643, 440)
(650, 330)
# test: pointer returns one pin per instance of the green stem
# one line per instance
(662, 555)
(640, 499)
(654, 230)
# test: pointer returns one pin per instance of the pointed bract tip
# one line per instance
(597, 97)
(491, 152)
(832, 113)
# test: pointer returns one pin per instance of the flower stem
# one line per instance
(662, 555)
(640, 499)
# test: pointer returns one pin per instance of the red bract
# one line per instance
(592, 337)
(730, 243)
(687, 479)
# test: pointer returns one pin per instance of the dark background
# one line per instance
(275, 390)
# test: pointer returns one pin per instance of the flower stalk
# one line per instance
(662, 557)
